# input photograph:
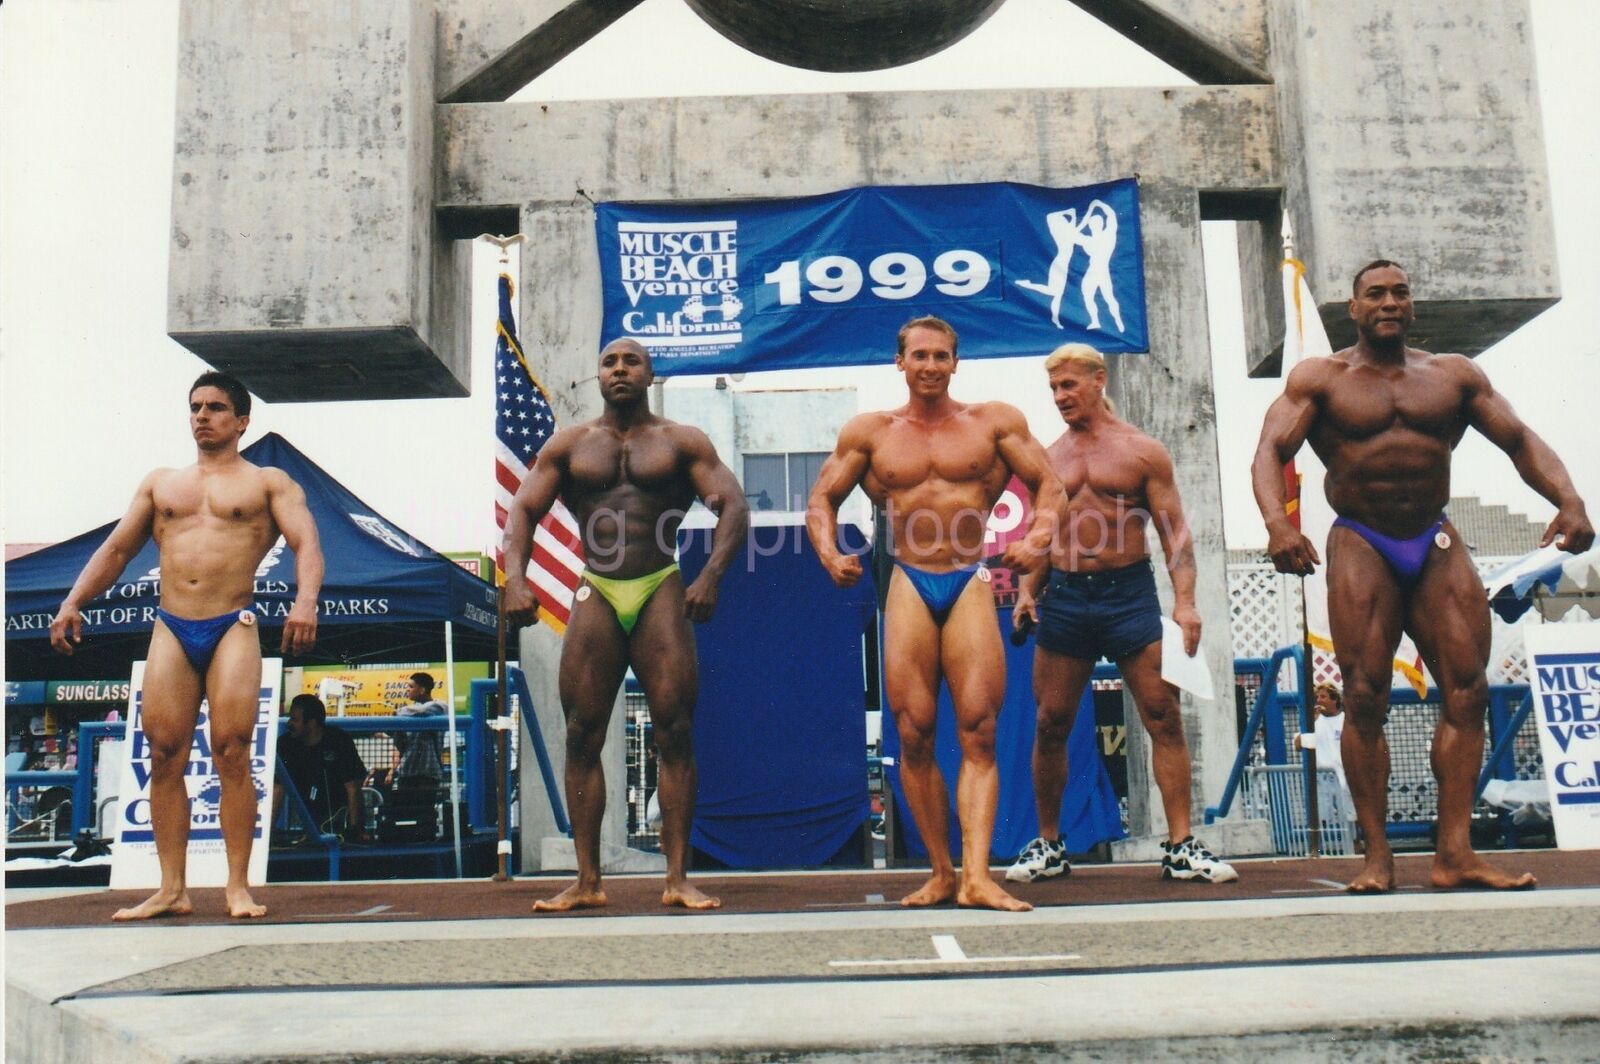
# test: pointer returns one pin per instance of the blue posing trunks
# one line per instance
(1405, 556)
(939, 591)
(199, 638)
(1108, 614)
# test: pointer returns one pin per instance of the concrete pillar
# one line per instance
(302, 207)
(558, 324)
(1413, 133)
(1168, 394)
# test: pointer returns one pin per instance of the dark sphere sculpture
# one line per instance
(844, 35)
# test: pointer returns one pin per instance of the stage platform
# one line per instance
(1113, 964)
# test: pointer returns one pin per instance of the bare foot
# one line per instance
(987, 894)
(161, 903)
(1376, 876)
(936, 890)
(241, 906)
(1474, 871)
(690, 898)
(576, 896)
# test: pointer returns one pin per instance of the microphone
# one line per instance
(1023, 629)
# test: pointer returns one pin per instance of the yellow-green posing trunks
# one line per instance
(628, 597)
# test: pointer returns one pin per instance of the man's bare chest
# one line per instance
(1100, 474)
(187, 497)
(907, 454)
(604, 461)
(1363, 403)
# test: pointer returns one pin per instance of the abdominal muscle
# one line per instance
(208, 567)
(939, 524)
(1099, 536)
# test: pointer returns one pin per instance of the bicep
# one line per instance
(1022, 451)
(710, 476)
(716, 484)
(843, 469)
(1028, 460)
(1287, 424)
(840, 473)
(1161, 492)
(1491, 414)
(291, 514)
(134, 527)
(539, 488)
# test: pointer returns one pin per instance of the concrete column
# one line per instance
(1414, 134)
(302, 207)
(558, 324)
(1168, 394)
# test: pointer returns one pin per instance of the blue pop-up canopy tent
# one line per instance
(384, 591)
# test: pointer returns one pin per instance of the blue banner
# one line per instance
(828, 280)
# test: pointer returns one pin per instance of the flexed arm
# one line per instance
(1536, 463)
(720, 490)
(1028, 461)
(105, 565)
(1288, 422)
(299, 528)
(535, 496)
(840, 474)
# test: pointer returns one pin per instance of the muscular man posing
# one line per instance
(214, 521)
(1100, 601)
(1384, 418)
(938, 466)
(629, 477)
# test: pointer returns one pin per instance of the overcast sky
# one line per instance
(94, 393)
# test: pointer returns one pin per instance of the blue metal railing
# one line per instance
(1266, 717)
(295, 804)
(1267, 698)
(517, 685)
(476, 761)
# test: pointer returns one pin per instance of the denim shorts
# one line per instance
(1109, 614)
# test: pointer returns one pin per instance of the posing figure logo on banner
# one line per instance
(1096, 234)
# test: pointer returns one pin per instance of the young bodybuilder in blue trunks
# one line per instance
(1384, 418)
(629, 477)
(214, 521)
(937, 467)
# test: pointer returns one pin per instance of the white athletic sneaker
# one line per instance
(1190, 860)
(1041, 860)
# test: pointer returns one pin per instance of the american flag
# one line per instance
(523, 421)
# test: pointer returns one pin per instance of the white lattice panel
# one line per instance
(1259, 608)
(1264, 606)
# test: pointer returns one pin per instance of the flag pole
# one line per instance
(502, 721)
(1307, 714)
(501, 745)
(1307, 669)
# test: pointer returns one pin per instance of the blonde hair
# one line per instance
(1082, 356)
